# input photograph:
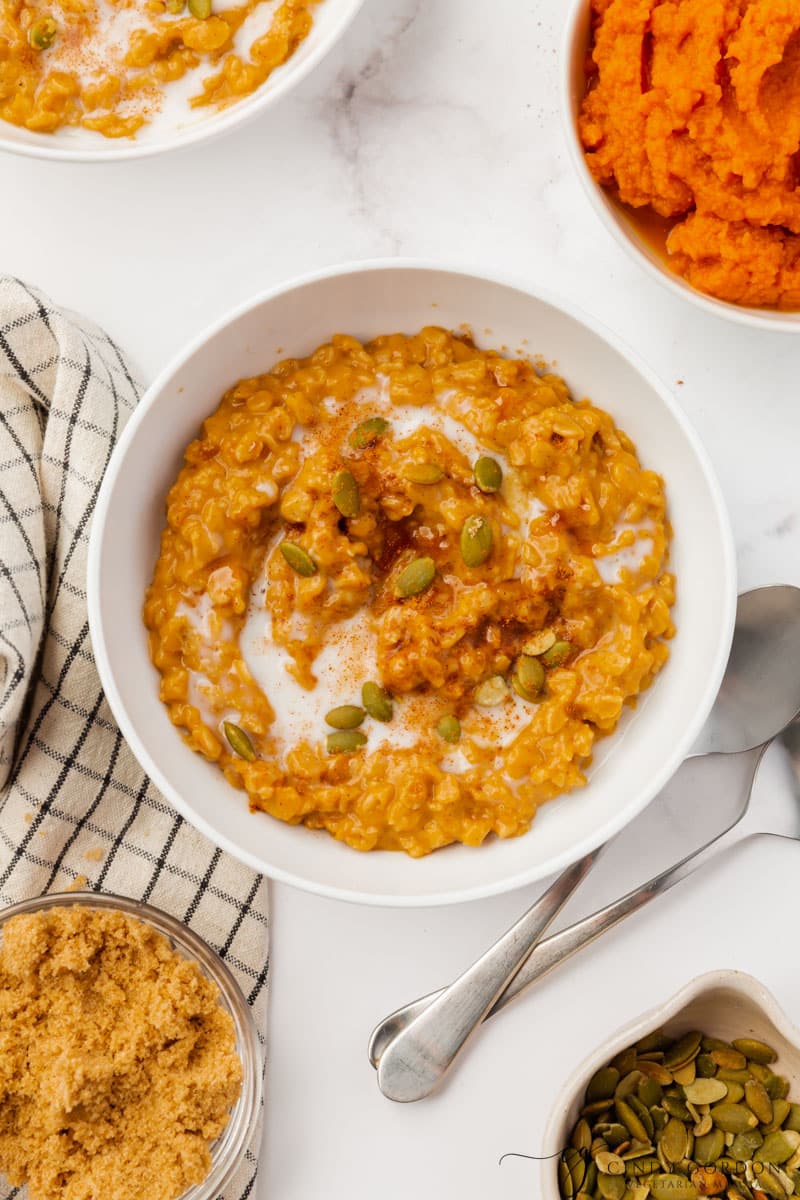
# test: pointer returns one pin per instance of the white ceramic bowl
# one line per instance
(83, 145)
(365, 300)
(614, 215)
(723, 1004)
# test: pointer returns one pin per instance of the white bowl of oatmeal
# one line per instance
(104, 80)
(460, 810)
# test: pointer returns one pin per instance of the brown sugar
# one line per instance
(118, 1066)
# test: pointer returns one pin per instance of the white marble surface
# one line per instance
(432, 130)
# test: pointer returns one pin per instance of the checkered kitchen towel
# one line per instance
(75, 808)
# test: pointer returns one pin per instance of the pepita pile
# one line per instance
(680, 1118)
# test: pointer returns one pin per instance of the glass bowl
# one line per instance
(228, 1150)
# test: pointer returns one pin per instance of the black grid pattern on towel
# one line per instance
(74, 804)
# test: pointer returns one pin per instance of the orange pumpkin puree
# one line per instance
(693, 109)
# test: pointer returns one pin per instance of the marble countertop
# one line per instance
(432, 131)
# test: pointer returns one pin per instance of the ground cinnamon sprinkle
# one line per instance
(118, 1066)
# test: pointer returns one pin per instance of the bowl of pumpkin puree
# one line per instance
(683, 119)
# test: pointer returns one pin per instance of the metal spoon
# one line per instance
(414, 1047)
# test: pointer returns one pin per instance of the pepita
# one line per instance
(345, 493)
(649, 1092)
(42, 33)
(733, 1118)
(683, 1051)
(702, 1126)
(346, 716)
(705, 1091)
(415, 578)
(529, 672)
(672, 1187)
(609, 1163)
(709, 1147)
(488, 474)
(781, 1109)
(368, 432)
(731, 1059)
(778, 1147)
(744, 1145)
(759, 1052)
(377, 702)
(298, 559)
(705, 1066)
(684, 1075)
(476, 540)
(582, 1135)
(633, 1122)
(674, 1140)
(611, 1187)
(449, 729)
(537, 643)
(656, 1071)
(345, 741)
(239, 741)
(559, 653)
(758, 1101)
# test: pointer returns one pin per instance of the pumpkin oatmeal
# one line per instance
(118, 1064)
(114, 65)
(404, 586)
(691, 111)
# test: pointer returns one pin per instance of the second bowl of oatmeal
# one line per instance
(413, 585)
(102, 80)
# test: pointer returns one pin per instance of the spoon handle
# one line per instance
(554, 950)
(417, 1059)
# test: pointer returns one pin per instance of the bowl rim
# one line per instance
(217, 124)
(586, 843)
(235, 1139)
(747, 985)
(604, 207)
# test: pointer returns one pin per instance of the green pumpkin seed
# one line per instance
(488, 474)
(778, 1147)
(298, 559)
(595, 1108)
(582, 1135)
(712, 1043)
(42, 33)
(674, 1141)
(771, 1181)
(423, 473)
(676, 1108)
(530, 673)
(449, 728)
(368, 432)
(709, 1147)
(556, 656)
(611, 1187)
(792, 1121)
(758, 1101)
(565, 1181)
(625, 1061)
(777, 1087)
(687, 1047)
(705, 1066)
(780, 1111)
(175, 6)
(705, 1091)
(733, 1076)
(346, 716)
(345, 493)
(576, 1165)
(491, 692)
(476, 540)
(609, 1163)
(632, 1122)
(649, 1092)
(590, 1179)
(417, 577)
(345, 741)
(522, 692)
(703, 1126)
(731, 1059)
(759, 1052)
(744, 1145)
(239, 741)
(627, 1085)
(613, 1134)
(656, 1072)
(657, 1040)
(684, 1075)
(672, 1187)
(200, 9)
(733, 1118)
(660, 1116)
(735, 1092)
(377, 702)
(760, 1072)
(643, 1113)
